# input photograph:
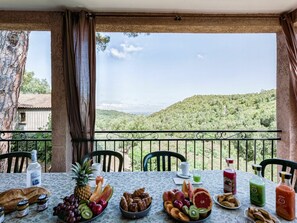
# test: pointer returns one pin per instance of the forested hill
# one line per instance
(201, 112)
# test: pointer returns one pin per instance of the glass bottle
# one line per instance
(285, 197)
(34, 171)
(229, 177)
(257, 187)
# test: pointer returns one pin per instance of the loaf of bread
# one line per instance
(10, 198)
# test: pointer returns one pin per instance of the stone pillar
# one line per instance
(286, 110)
(61, 140)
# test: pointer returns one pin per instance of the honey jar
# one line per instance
(22, 208)
(42, 203)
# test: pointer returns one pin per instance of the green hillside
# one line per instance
(201, 112)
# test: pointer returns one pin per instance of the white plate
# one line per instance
(246, 215)
(179, 174)
(215, 198)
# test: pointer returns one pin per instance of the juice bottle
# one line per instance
(285, 197)
(229, 177)
(257, 187)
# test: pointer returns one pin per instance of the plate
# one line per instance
(179, 220)
(89, 220)
(246, 215)
(215, 198)
(179, 174)
(135, 215)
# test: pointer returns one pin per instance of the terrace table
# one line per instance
(60, 185)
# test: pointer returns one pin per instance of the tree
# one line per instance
(13, 55)
(34, 85)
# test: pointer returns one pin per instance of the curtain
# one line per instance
(80, 79)
(287, 22)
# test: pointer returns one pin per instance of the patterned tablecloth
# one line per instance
(60, 185)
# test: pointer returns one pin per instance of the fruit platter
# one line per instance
(188, 205)
(84, 205)
(135, 205)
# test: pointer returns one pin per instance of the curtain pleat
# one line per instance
(80, 80)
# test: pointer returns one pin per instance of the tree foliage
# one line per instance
(34, 85)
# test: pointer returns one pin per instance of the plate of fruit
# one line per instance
(135, 205)
(227, 200)
(189, 205)
(84, 205)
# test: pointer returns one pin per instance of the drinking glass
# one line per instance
(196, 175)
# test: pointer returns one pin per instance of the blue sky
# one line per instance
(151, 72)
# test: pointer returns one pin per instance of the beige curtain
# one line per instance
(287, 22)
(80, 79)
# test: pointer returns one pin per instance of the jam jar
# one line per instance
(1, 214)
(22, 208)
(42, 203)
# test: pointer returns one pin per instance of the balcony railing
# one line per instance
(203, 149)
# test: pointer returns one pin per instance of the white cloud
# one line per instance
(200, 56)
(125, 50)
(117, 54)
(130, 48)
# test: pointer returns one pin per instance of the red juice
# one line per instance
(229, 177)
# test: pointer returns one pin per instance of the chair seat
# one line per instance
(285, 164)
(163, 160)
(15, 162)
(106, 158)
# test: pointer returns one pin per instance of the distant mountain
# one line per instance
(201, 112)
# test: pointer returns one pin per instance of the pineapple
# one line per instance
(82, 175)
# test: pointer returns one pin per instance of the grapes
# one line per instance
(68, 210)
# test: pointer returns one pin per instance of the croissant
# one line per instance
(133, 207)
(138, 192)
(141, 205)
(147, 200)
(124, 204)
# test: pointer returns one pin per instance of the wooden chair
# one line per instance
(105, 157)
(165, 157)
(284, 163)
(17, 160)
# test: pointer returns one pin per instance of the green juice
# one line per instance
(196, 178)
(257, 193)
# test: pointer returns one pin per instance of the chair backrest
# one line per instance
(163, 160)
(284, 163)
(14, 161)
(105, 158)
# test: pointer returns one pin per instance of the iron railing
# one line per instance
(12, 141)
(204, 149)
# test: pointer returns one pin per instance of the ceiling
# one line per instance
(156, 6)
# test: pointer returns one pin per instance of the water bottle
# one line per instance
(34, 171)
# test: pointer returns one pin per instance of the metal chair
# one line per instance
(165, 157)
(284, 163)
(15, 159)
(105, 158)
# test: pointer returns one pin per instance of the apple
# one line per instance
(186, 202)
(178, 204)
(97, 209)
(92, 204)
(165, 196)
(179, 196)
(171, 196)
(103, 203)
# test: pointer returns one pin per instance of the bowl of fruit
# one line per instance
(135, 205)
(189, 205)
(84, 205)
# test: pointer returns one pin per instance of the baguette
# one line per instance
(10, 198)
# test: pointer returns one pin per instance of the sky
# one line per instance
(152, 71)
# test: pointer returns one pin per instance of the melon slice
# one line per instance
(202, 199)
(106, 194)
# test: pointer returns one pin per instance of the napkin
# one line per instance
(180, 181)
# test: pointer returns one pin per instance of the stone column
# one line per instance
(61, 140)
(286, 110)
